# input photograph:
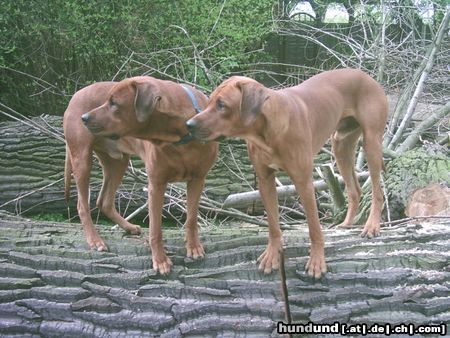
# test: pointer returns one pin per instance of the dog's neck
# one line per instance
(258, 137)
(268, 130)
(261, 143)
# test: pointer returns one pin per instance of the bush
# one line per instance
(50, 49)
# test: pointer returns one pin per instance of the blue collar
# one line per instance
(189, 137)
(193, 99)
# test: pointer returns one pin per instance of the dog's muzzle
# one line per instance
(200, 133)
(196, 132)
(95, 129)
(191, 125)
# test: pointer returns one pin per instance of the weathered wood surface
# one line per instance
(51, 285)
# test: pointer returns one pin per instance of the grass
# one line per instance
(55, 217)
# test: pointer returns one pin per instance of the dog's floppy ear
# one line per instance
(253, 97)
(149, 98)
(145, 100)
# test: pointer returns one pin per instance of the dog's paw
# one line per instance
(131, 229)
(95, 242)
(162, 264)
(195, 249)
(371, 230)
(134, 229)
(344, 225)
(270, 258)
(316, 263)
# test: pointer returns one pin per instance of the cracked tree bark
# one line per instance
(52, 285)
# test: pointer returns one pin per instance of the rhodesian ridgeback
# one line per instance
(142, 116)
(285, 128)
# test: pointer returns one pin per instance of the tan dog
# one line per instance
(285, 128)
(150, 109)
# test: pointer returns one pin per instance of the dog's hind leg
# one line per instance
(374, 154)
(344, 148)
(113, 172)
(81, 159)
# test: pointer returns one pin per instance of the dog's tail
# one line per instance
(67, 175)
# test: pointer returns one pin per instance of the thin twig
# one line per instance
(409, 219)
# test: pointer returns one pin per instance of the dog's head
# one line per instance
(128, 109)
(232, 109)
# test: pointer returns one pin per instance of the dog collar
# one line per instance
(189, 137)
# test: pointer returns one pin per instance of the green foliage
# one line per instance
(55, 217)
(101, 220)
(415, 169)
(50, 49)
(57, 46)
(223, 35)
(49, 217)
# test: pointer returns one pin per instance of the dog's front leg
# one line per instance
(194, 247)
(270, 258)
(161, 262)
(304, 185)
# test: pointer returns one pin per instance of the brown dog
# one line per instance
(150, 109)
(285, 128)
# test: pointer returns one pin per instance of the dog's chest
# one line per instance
(113, 148)
(272, 161)
(125, 147)
(275, 166)
(181, 164)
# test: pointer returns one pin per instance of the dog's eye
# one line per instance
(220, 105)
(112, 103)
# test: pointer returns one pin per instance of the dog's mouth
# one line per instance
(113, 137)
(203, 135)
(220, 138)
(207, 138)
(100, 131)
(94, 129)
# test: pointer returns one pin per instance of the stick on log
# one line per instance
(245, 199)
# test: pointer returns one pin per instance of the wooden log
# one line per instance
(335, 189)
(51, 285)
(31, 168)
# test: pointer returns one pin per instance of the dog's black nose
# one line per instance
(191, 124)
(85, 118)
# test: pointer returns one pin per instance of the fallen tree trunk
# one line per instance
(32, 155)
(31, 168)
(51, 285)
